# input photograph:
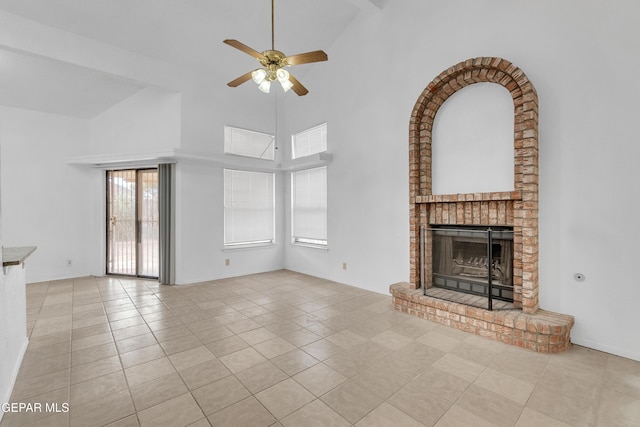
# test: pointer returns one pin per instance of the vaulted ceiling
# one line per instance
(187, 33)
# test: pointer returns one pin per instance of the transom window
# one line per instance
(243, 142)
(310, 141)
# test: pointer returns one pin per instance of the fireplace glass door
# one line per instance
(473, 260)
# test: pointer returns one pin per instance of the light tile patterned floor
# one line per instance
(285, 349)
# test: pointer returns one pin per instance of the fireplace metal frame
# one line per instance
(488, 283)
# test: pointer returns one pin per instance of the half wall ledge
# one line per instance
(544, 331)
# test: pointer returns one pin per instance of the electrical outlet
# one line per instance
(68, 263)
(344, 265)
(227, 262)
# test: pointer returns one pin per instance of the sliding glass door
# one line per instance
(132, 222)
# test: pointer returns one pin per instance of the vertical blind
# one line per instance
(166, 206)
(309, 206)
(248, 207)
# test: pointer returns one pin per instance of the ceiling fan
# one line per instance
(274, 63)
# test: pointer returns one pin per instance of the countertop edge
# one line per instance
(16, 255)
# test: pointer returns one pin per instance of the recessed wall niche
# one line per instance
(473, 141)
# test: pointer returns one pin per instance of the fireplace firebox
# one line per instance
(472, 260)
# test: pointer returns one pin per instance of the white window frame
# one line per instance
(232, 133)
(318, 240)
(309, 142)
(229, 215)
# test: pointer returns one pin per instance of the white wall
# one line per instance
(153, 121)
(45, 202)
(579, 56)
(206, 107)
(13, 328)
(58, 205)
(472, 142)
(146, 122)
(200, 253)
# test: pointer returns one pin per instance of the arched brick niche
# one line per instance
(518, 209)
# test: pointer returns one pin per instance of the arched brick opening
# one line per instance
(518, 208)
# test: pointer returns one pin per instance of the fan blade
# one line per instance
(305, 58)
(297, 86)
(243, 47)
(243, 78)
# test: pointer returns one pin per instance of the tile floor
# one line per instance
(285, 349)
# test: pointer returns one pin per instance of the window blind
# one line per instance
(309, 142)
(248, 143)
(248, 207)
(309, 206)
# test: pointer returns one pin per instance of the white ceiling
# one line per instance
(188, 33)
(41, 84)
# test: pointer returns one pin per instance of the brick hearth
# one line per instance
(527, 325)
(543, 331)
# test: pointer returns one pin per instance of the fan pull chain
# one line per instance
(275, 143)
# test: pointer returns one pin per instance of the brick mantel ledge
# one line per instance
(470, 197)
(544, 331)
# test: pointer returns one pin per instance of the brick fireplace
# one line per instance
(525, 325)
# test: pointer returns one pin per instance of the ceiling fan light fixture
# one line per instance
(282, 75)
(259, 75)
(273, 61)
(286, 85)
(265, 86)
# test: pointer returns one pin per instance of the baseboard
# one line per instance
(605, 348)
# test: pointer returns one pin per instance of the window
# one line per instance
(309, 206)
(309, 142)
(248, 207)
(248, 143)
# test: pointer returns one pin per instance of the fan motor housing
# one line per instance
(273, 58)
